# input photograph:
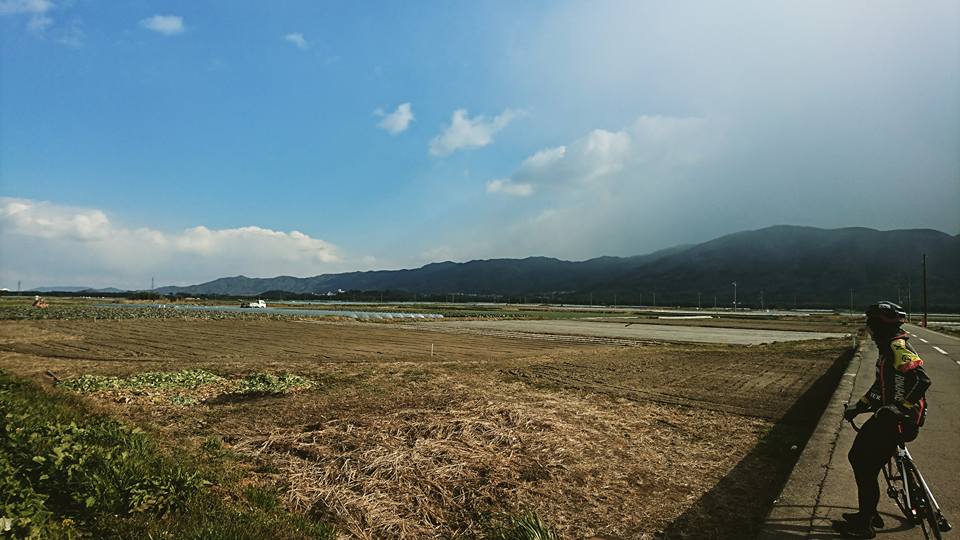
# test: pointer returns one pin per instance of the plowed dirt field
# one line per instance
(615, 438)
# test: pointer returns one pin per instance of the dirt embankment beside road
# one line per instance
(598, 439)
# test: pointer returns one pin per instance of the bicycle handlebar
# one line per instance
(856, 428)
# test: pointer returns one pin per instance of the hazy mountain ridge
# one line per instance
(76, 289)
(788, 263)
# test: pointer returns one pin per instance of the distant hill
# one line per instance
(800, 266)
(60, 288)
(482, 277)
(70, 289)
(808, 264)
(111, 290)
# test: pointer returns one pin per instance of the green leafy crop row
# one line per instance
(80, 469)
(266, 383)
(188, 378)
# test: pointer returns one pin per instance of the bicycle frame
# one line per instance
(899, 458)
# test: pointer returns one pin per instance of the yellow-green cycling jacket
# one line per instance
(900, 381)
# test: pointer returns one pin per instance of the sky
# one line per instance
(183, 141)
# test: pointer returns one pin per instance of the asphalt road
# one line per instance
(822, 485)
(698, 334)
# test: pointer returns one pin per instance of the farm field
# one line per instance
(660, 332)
(426, 430)
(822, 323)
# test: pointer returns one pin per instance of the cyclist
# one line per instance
(897, 401)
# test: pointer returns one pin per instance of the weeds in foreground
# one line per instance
(187, 387)
(65, 473)
(526, 526)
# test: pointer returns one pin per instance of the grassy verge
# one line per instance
(65, 473)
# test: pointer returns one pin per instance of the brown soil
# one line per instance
(599, 439)
(799, 324)
(761, 381)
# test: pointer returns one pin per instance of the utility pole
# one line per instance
(761, 300)
(714, 302)
(18, 287)
(698, 300)
(924, 323)
(654, 298)
(851, 301)
(151, 284)
(909, 299)
(734, 296)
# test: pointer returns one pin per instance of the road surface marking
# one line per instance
(923, 340)
(941, 351)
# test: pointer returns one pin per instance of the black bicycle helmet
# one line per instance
(886, 312)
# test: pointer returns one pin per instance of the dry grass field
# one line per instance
(608, 439)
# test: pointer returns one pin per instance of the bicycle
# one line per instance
(908, 489)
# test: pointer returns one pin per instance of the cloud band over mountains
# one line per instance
(44, 235)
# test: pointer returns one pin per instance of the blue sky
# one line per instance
(193, 140)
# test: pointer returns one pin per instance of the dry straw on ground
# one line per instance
(598, 439)
(586, 465)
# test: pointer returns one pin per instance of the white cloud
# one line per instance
(10, 7)
(466, 132)
(44, 220)
(42, 240)
(544, 158)
(510, 188)
(607, 192)
(398, 121)
(297, 39)
(651, 141)
(37, 10)
(168, 25)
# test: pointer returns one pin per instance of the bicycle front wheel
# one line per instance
(920, 503)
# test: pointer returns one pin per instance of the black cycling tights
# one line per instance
(875, 444)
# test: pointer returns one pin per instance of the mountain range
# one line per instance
(76, 289)
(782, 266)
